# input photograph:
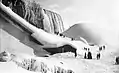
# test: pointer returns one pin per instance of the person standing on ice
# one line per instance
(100, 49)
(85, 55)
(117, 60)
(98, 55)
(89, 54)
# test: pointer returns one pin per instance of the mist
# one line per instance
(101, 17)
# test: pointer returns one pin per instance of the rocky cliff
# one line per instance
(33, 12)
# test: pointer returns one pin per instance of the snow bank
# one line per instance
(39, 64)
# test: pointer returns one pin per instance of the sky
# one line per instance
(103, 16)
(74, 11)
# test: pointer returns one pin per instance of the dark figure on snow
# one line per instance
(64, 36)
(98, 56)
(72, 39)
(85, 56)
(117, 60)
(89, 56)
(57, 33)
(103, 47)
(100, 48)
(85, 48)
(61, 34)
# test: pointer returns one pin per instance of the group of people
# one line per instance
(62, 35)
(88, 54)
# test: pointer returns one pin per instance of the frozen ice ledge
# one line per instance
(37, 16)
(34, 13)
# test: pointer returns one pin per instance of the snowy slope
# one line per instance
(41, 35)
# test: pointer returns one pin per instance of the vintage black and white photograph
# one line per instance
(59, 36)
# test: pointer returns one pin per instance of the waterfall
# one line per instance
(32, 11)
(55, 21)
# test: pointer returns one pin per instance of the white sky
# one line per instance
(104, 14)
